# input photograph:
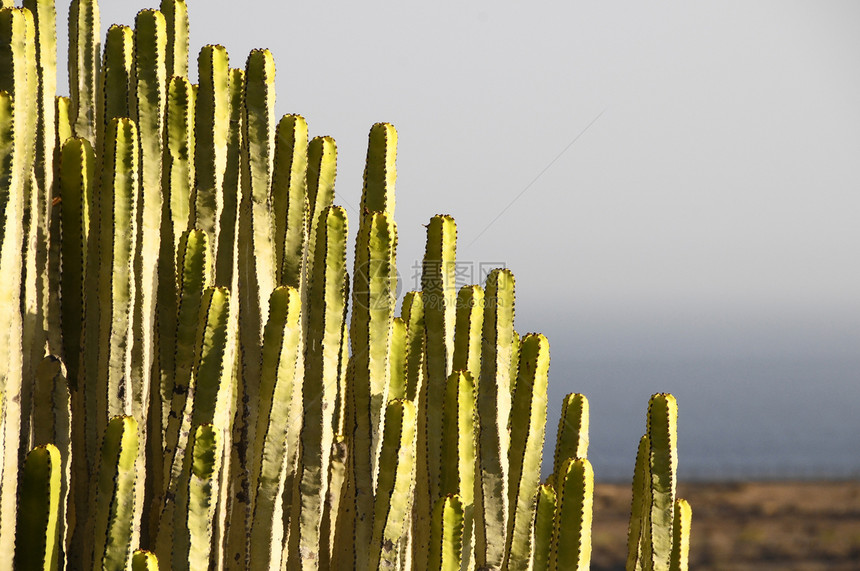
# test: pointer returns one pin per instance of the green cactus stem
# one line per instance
(176, 17)
(370, 335)
(278, 425)
(321, 172)
(117, 287)
(256, 263)
(143, 560)
(113, 511)
(397, 359)
(212, 124)
(495, 390)
(194, 549)
(543, 526)
(289, 192)
(661, 469)
(446, 534)
(380, 172)
(527, 436)
(52, 423)
(440, 299)
(38, 529)
(45, 282)
(210, 391)
(467, 330)
(327, 300)
(84, 66)
(178, 159)
(412, 314)
(193, 270)
(147, 107)
(571, 537)
(458, 451)
(338, 474)
(395, 485)
(679, 560)
(77, 181)
(116, 72)
(638, 506)
(226, 261)
(16, 30)
(572, 439)
(177, 181)
(258, 143)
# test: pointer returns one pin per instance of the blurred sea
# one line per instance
(761, 396)
(742, 419)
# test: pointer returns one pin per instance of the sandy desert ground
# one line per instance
(762, 526)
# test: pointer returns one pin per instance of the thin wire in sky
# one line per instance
(535, 179)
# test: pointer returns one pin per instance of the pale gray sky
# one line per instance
(713, 209)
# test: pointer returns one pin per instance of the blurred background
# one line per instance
(675, 185)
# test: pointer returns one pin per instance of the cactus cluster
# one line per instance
(191, 378)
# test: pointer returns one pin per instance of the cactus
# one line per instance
(527, 436)
(113, 510)
(13, 132)
(572, 439)
(194, 548)
(277, 451)
(144, 560)
(571, 534)
(187, 369)
(446, 534)
(543, 526)
(38, 530)
(681, 536)
(494, 409)
(324, 338)
(658, 538)
(394, 489)
(458, 450)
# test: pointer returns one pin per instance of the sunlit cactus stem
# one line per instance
(395, 485)
(458, 451)
(527, 436)
(446, 535)
(193, 545)
(289, 204)
(325, 329)
(113, 510)
(17, 140)
(571, 538)
(278, 426)
(440, 297)
(572, 438)
(543, 526)
(679, 560)
(84, 66)
(176, 17)
(495, 391)
(661, 468)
